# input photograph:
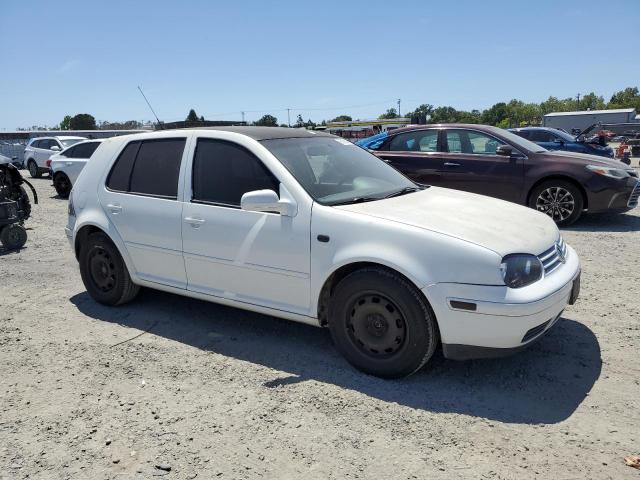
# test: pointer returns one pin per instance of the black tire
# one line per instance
(561, 200)
(34, 171)
(62, 184)
(382, 324)
(24, 203)
(104, 273)
(13, 236)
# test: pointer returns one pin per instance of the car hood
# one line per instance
(585, 158)
(503, 227)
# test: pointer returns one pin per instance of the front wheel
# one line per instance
(382, 324)
(62, 184)
(104, 273)
(13, 236)
(559, 199)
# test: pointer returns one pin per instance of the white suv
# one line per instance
(39, 149)
(309, 227)
(67, 165)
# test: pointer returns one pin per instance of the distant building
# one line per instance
(365, 128)
(569, 121)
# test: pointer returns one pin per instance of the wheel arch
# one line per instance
(340, 272)
(565, 178)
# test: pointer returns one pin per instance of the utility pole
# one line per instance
(288, 117)
(242, 116)
(399, 108)
(578, 97)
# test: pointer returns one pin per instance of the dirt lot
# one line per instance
(91, 392)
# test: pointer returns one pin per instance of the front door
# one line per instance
(252, 257)
(471, 164)
(416, 154)
(141, 200)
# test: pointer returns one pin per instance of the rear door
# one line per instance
(140, 196)
(43, 152)
(78, 157)
(471, 164)
(417, 154)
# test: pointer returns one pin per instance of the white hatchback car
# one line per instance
(67, 165)
(39, 149)
(309, 227)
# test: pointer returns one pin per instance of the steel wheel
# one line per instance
(556, 202)
(33, 169)
(102, 269)
(376, 325)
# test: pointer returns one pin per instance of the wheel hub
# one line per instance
(556, 202)
(102, 270)
(375, 325)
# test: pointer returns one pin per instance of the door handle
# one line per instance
(194, 222)
(69, 163)
(114, 208)
(451, 164)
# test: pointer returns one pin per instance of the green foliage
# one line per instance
(627, 98)
(65, 124)
(83, 121)
(421, 114)
(342, 118)
(267, 121)
(192, 117)
(390, 113)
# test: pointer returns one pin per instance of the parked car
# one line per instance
(67, 165)
(495, 162)
(553, 139)
(308, 227)
(39, 149)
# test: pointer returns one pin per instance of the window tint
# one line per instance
(46, 144)
(84, 150)
(36, 143)
(523, 133)
(70, 152)
(224, 171)
(121, 171)
(470, 142)
(157, 167)
(418, 141)
(541, 136)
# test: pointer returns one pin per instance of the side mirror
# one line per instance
(504, 150)
(55, 148)
(267, 201)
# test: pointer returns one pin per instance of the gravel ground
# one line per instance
(206, 391)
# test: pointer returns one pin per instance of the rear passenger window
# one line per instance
(149, 167)
(224, 171)
(417, 141)
(85, 150)
(121, 171)
(70, 152)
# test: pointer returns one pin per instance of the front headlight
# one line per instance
(520, 269)
(608, 171)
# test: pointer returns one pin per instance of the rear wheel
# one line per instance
(104, 273)
(559, 199)
(13, 236)
(62, 184)
(382, 324)
(34, 171)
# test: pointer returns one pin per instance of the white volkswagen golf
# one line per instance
(306, 226)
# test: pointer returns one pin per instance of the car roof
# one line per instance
(266, 133)
(474, 126)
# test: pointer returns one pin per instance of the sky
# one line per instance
(319, 59)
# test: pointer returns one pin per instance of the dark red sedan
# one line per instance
(494, 162)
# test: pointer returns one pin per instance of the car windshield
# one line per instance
(521, 143)
(564, 135)
(335, 171)
(67, 142)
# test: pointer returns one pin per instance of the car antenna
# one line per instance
(151, 108)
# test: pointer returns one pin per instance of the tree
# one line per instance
(65, 124)
(445, 115)
(83, 121)
(267, 121)
(421, 114)
(192, 117)
(627, 98)
(299, 122)
(390, 113)
(342, 118)
(495, 114)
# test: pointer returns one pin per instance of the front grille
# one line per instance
(633, 199)
(554, 256)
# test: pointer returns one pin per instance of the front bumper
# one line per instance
(610, 195)
(503, 320)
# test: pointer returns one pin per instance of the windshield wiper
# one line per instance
(403, 191)
(356, 200)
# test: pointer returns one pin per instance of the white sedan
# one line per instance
(308, 227)
(67, 165)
